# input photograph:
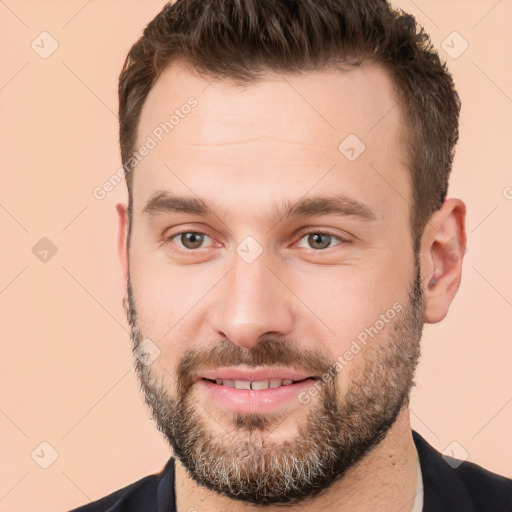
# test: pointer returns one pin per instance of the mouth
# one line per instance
(254, 391)
(257, 384)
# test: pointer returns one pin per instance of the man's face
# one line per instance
(249, 294)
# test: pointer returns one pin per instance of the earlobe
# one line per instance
(122, 234)
(443, 247)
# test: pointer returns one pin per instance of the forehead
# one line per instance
(281, 132)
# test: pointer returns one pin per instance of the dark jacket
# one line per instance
(447, 488)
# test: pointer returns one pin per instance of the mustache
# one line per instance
(268, 352)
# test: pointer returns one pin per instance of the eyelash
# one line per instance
(170, 238)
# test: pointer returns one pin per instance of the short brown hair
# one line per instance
(240, 40)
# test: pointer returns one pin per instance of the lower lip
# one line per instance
(245, 401)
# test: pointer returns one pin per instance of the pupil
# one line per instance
(192, 240)
(316, 239)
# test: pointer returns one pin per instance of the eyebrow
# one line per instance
(165, 203)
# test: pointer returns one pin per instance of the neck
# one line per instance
(385, 480)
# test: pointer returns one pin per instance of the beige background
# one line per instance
(66, 375)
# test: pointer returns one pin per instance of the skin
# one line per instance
(246, 149)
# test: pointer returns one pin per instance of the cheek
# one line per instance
(161, 310)
(354, 303)
(170, 299)
(155, 291)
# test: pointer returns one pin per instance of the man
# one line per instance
(286, 236)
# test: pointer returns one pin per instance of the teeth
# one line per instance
(275, 383)
(261, 384)
(255, 385)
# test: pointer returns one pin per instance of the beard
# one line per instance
(336, 434)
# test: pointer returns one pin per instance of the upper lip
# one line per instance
(253, 375)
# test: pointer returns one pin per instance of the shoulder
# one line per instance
(142, 495)
(449, 482)
(486, 487)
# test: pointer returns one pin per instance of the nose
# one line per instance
(252, 302)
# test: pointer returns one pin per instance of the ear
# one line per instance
(442, 251)
(123, 225)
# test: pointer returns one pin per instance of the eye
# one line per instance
(189, 240)
(319, 240)
(316, 240)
